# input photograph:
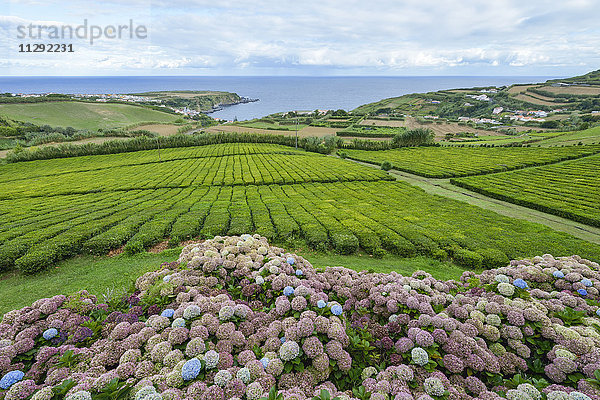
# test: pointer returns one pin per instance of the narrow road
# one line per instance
(443, 187)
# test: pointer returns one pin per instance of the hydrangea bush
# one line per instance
(234, 319)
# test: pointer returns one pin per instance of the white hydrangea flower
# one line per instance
(226, 312)
(192, 311)
(419, 356)
(565, 354)
(515, 394)
(434, 387)
(222, 378)
(81, 395)
(557, 395)
(289, 350)
(530, 390)
(506, 289)
(243, 374)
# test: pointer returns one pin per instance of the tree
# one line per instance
(414, 137)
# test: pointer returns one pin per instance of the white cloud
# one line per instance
(384, 36)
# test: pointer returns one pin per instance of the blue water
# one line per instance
(276, 94)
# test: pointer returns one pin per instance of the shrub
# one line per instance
(414, 137)
(344, 243)
(468, 258)
(493, 258)
(386, 165)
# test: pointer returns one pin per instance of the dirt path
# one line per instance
(443, 187)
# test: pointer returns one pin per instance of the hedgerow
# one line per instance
(145, 143)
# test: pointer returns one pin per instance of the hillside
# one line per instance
(490, 115)
(197, 100)
(592, 78)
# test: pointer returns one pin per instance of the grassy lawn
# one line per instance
(96, 274)
(101, 274)
(389, 263)
(78, 115)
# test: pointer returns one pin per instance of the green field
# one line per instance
(271, 126)
(323, 201)
(542, 139)
(570, 189)
(58, 166)
(80, 115)
(228, 170)
(587, 136)
(445, 162)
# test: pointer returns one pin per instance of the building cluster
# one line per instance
(480, 97)
(529, 116)
(479, 120)
(186, 111)
(103, 98)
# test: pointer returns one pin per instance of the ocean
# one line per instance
(276, 93)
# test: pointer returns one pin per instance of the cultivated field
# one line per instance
(570, 189)
(307, 131)
(161, 129)
(577, 90)
(95, 205)
(587, 136)
(445, 162)
(79, 115)
(515, 89)
(537, 100)
(440, 129)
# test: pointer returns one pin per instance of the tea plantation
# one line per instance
(54, 209)
(446, 162)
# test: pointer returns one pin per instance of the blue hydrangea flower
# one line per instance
(321, 304)
(299, 272)
(264, 361)
(283, 339)
(598, 312)
(520, 283)
(191, 369)
(288, 290)
(168, 313)
(167, 278)
(290, 260)
(582, 292)
(336, 309)
(586, 282)
(11, 378)
(50, 333)
(558, 274)
(178, 323)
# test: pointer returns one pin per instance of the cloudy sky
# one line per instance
(326, 37)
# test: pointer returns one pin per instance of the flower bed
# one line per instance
(235, 318)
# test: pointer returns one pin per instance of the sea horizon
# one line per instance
(275, 93)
